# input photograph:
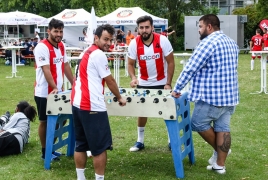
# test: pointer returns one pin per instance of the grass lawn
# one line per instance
(248, 160)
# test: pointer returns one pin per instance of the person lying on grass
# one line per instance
(15, 131)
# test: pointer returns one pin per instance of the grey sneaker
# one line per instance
(214, 157)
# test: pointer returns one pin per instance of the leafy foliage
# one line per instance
(253, 20)
(262, 9)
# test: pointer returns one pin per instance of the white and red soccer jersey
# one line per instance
(257, 41)
(265, 40)
(88, 89)
(46, 54)
(152, 69)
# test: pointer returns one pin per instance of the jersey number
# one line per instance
(257, 42)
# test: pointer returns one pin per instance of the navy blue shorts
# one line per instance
(92, 131)
(41, 104)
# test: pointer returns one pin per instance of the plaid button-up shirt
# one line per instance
(212, 70)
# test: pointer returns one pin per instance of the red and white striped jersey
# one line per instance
(257, 42)
(152, 70)
(88, 89)
(46, 54)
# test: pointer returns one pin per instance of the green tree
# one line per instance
(253, 20)
(262, 9)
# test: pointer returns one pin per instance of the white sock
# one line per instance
(252, 64)
(216, 166)
(215, 153)
(99, 177)
(80, 174)
(141, 134)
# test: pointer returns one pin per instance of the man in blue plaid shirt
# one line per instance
(212, 70)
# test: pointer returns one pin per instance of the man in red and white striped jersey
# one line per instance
(154, 55)
(51, 65)
(92, 129)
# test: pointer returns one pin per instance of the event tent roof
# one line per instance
(20, 18)
(73, 17)
(128, 16)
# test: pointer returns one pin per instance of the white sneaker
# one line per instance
(219, 171)
(214, 157)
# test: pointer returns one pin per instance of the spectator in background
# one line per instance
(35, 42)
(27, 47)
(166, 33)
(120, 35)
(129, 37)
(136, 33)
(265, 41)
(37, 36)
(16, 130)
(256, 44)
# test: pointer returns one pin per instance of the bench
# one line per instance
(28, 59)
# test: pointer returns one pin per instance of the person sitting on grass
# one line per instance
(15, 130)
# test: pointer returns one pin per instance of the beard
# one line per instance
(146, 37)
(56, 39)
(203, 35)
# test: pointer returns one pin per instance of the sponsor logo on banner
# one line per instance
(17, 19)
(69, 14)
(102, 22)
(86, 22)
(126, 21)
(117, 22)
(70, 22)
(156, 21)
(124, 13)
(111, 22)
(263, 24)
(154, 56)
(57, 60)
(20, 15)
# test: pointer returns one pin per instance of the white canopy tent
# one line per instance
(19, 18)
(75, 25)
(125, 19)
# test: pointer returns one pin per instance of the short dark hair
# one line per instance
(258, 30)
(144, 19)
(211, 19)
(118, 40)
(106, 27)
(55, 23)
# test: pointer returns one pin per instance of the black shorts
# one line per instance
(92, 131)
(151, 87)
(9, 144)
(41, 104)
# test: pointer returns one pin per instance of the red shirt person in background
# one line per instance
(166, 33)
(265, 41)
(256, 44)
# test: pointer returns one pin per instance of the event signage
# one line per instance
(69, 14)
(263, 24)
(124, 13)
